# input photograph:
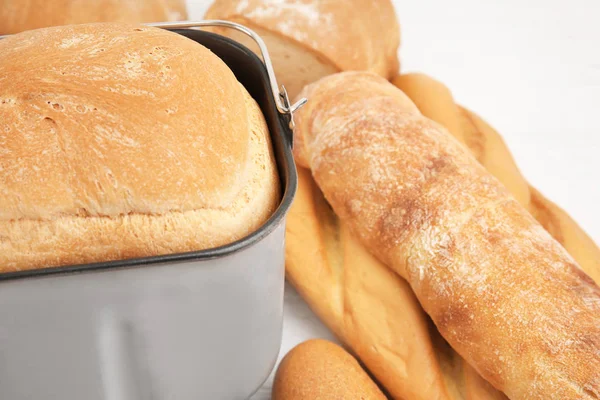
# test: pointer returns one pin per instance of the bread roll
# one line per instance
(320, 370)
(309, 39)
(501, 291)
(123, 141)
(21, 15)
(435, 101)
(367, 306)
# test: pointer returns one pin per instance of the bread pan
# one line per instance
(199, 325)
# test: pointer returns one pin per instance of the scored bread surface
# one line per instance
(120, 141)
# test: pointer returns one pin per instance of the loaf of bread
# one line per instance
(123, 141)
(21, 15)
(313, 274)
(309, 39)
(369, 307)
(499, 288)
(435, 101)
(321, 370)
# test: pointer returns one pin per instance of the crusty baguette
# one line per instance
(321, 370)
(21, 15)
(367, 306)
(435, 101)
(503, 293)
(310, 39)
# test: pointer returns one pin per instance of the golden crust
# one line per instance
(503, 293)
(353, 35)
(21, 15)
(435, 101)
(121, 141)
(320, 370)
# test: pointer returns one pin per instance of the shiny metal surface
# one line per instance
(207, 329)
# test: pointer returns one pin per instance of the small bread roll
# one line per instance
(320, 370)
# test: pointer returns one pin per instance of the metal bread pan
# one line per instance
(199, 325)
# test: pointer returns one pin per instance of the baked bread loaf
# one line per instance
(370, 308)
(313, 225)
(309, 39)
(123, 141)
(321, 370)
(21, 15)
(501, 291)
(435, 101)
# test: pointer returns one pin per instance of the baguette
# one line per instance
(320, 370)
(309, 39)
(435, 101)
(367, 306)
(501, 291)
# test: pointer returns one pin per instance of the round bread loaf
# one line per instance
(120, 141)
(310, 39)
(320, 370)
(21, 15)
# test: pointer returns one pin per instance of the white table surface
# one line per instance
(530, 68)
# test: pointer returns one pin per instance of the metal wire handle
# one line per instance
(280, 95)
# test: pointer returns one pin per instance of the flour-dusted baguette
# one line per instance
(22, 15)
(503, 293)
(435, 101)
(368, 307)
(309, 39)
(321, 370)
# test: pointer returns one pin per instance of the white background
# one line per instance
(529, 67)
